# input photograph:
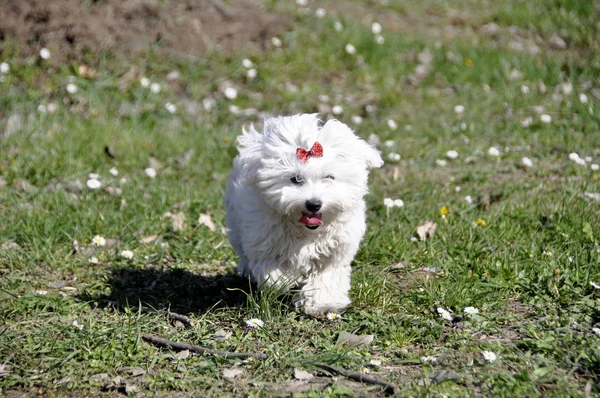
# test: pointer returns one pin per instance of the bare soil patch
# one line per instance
(71, 28)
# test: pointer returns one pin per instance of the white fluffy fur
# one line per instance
(264, 208)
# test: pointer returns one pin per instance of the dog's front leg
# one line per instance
(326, 290)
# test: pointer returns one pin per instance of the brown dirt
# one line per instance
(69, 28)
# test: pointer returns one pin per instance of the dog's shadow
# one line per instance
(177, 290)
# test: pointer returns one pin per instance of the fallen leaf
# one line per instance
(148, 239)
(232, 373)
(4, 370)
(426, 230)
(353, 339)
(206, 220)
(592, 195)
(99, 377)
(300, 374)
(221, 335)
(183, 354)
(134, 371)
(183, 160)
(130, 388)
(178, 222)
(444, 375)
(154, 164)
(129, 76)
(115, 191)
(113, 383)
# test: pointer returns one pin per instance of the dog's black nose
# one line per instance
(313, 205)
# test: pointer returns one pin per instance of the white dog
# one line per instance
(295, 207)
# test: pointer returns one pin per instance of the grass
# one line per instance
(528, 269)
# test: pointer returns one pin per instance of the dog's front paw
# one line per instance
(314, 307)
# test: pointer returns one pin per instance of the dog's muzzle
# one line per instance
(311, 220)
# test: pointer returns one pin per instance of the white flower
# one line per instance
(493, 151)
(548, 253)
(51, 107)
(373, 139)
(469, 199)
(595, 285)
(145, 82)
(388, 202)
(428, 358)
(594, 167)
(251, 74)
(155, 88)
(376, 28)
(389, 143)
(457, 188)
(320, 13)
(365, 370)
(471, 310)
(234, 109)
(246, 63)
(150, 172)
(392, 124)
(452, 154)
(41, 108)
(379, 39)
(583, 98)
(72, 88)
(398, 203)
(375, 362)
(94, 176)
(276, 41)
(596, 330)
(45, 53)
(128, 254)
(356, 119)
(77, 325)
(231, 93)
(544, 118)
(441, 162)
(527, 162)
(93, 183)
(333, 315)
(445, 314)
(255, 323)
(4, 68)
(393, 156)
(350, 49)
(94, 260)
(337, 110)
(41, 292)
(338, 26)
(170, 107)
(123, 180)
(302, 2)
(489, 356)
(98, 241)
(527, 121)
(414, 239)
(588, 159)
(114, 171)
(569, 258)
(459, 109)
(525, 90)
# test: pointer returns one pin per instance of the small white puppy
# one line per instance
(295, 207)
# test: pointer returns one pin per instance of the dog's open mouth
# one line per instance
(311, 220)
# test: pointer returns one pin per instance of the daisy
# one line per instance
(320, 13)
(389, 143)
(338, 26)
(583, 98)
(145, 82)
(379, 39)
(544, 118)
(231, 93)
(94, 176)
(596, 330)
(302, 2)
(98, 241)
(527, 162)
(41, 292)
(459, 109)
(77, 325)
(527, 121)
(374, 139)
(574, 156)
(392, 124)
(4, 68)
(365, 371)
(356, 119)
(489, 356)
(94, 260)
(525, 90)
(594, 167)
(376, 28)
(398, 203)
(93, 183)
(441, 162)
(428, 358)
(350, 49)
(128, 254)
(493, 151)
(452, 154)
(333, 315)
(150, 172)
(251, 74)
(45, 53)
(393, 156)
(276, 41)
(388, 202)
(41, 108)
(246, 63)
(445, 314)
(471, 310)
(114, 171)
(170, 107)
(155, 88)
(337, 110)
(72, 88)
(375, 362)
(469, 199)
(548, 253)
(255, 323)
(595, 285)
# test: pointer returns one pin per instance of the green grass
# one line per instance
(537, 310)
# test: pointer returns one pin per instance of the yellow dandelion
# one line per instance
(469, 62)
(481, 222)
(444, 211)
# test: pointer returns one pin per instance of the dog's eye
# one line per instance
(331, 177)
(297, 180)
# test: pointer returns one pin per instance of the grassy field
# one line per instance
(516, 238)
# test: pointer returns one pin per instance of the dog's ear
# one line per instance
(370, 155)
(338, 135)
(250, 154)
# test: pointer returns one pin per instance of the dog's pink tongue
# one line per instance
(311, 219)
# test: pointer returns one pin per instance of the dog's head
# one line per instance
(309, 173)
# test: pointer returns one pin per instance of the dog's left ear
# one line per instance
(370, 155)
(338, 135)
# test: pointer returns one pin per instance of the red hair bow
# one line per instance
(316, 151)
